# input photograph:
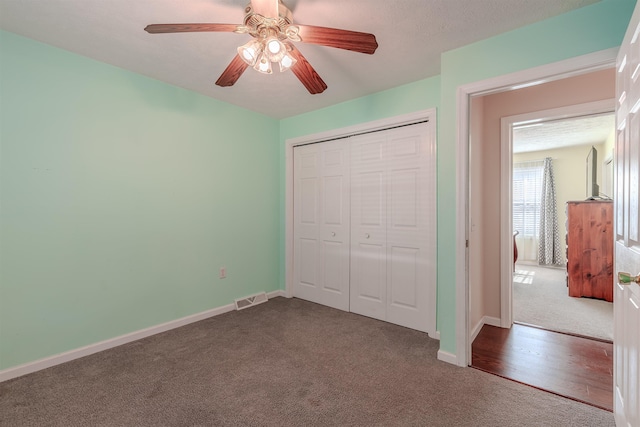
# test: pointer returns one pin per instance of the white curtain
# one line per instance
(549, 252)
(527, 192)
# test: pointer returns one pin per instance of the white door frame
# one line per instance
(506, 199)
(542, 74)
(404, 119)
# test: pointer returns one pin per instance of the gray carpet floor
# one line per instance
(287, 362)
(541, 298)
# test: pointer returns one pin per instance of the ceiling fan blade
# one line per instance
(341, 39)
(188, 28)
(233, 72)
(266, 8)
(306, 74)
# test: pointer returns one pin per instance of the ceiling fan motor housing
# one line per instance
(261, 26)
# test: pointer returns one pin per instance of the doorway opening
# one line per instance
(547, 175)
(490, 235)
(491, 230)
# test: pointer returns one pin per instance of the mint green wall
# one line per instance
(585, 30)
(121, 197)
(393, 102)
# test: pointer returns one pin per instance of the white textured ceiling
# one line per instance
(411, 35)
(587, 130)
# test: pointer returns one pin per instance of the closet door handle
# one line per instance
(366, 235)
(333, 234)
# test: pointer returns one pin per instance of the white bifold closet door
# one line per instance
(393, 227)
(321, 224)
(364, 225)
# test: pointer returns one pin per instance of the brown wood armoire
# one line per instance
(590, 249)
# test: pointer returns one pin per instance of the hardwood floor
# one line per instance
(574, 367)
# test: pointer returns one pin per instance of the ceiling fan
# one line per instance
(270, 23)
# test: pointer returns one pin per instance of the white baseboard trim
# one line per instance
(447, 357)
(492, 321)
(435, 336)
(278, 293)
(67, 356)
(486, 320)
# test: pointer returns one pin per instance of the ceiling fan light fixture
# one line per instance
(274, 45)
(250, 52)
(287, 62)
(275, 48)
(263, 64)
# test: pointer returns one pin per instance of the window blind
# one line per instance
(527, 194)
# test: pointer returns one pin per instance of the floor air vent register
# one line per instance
(250, 301)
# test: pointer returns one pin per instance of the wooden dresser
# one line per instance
(590, 249)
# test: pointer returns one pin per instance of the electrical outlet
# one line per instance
(223, 272)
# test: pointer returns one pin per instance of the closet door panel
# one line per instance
(410, 230)
(333, 205)
(404, 199)
(307, 257)
(309, 202)
(371, 273)
(321, 224)
(370, 204)
(334, 229)
(333, 266)
(368, 226)
(306, 244)
(403, 275)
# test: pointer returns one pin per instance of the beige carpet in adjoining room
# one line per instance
(541, 298)
(286, 362)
